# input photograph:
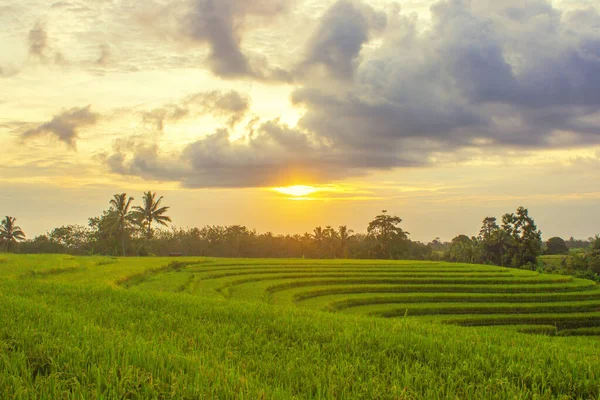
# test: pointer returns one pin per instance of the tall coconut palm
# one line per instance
(121, 217)
(331, 239)
(344, 234)
(10, 234)
(319, 237)
(151, 212)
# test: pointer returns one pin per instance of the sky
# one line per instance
(441, 112)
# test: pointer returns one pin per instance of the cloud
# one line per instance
(340, 36)
(167, 113)
(105, 55)
(231, 105)
(220, 24)
(484, 75)
(7, 72)
(65, 126)
(270, 154)
(38, 40)
(213, 22)
(40, 48)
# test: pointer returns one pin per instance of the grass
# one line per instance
(103, 328)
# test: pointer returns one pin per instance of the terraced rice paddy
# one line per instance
(460, 294)
(152, 328)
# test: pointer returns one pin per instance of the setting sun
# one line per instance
(298, 190)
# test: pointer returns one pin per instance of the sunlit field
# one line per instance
(192, 328)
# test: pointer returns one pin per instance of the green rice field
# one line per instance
(196, 328)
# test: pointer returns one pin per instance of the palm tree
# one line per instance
(10, 234)
(319, 236)
(121, 217)
(344, 234)
(331, 238)
(150, 212)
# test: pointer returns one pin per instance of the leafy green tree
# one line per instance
(238, 239)
(556, 245)
(573, 243)
(525, 239)
(103, 238)
(10, 234)
(505, 243)
(595, 243)
(515, 243)
(121, 218)
(42, 245)
(151, 212)
(593, 258)
(391, 241)
(493, 241)
(74, 238)
(464, 249)
(437, 245)
(420, 251)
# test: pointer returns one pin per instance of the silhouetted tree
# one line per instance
(525, 239)
(120, 217)
(492, 240)
(331, 242)
(42, 244)
(10, 234)
(319, 237)
(344, 235)
(391, 240)
(573, 243)
(462, 249)
(75, 238)
(151, 212)
(556, 245)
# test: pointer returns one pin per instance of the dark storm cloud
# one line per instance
(484, 75)
(65, 126)
(341, 34)
(506, 74)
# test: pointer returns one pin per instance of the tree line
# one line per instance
(125, 229)
(515, 242)
(573, 257)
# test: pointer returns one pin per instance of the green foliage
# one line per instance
(524, 239)
(465, 249)
(10, 234)
(516, 243)
(583, 263)
(391, 242)
(150, 212)
(120, 218)
(577, 244)
(556, 245)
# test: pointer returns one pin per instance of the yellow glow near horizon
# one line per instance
(298, 190)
